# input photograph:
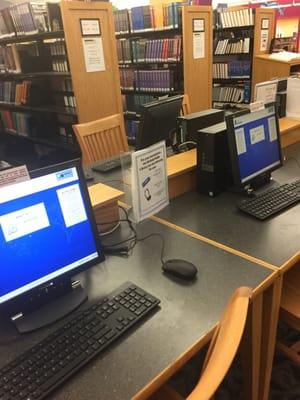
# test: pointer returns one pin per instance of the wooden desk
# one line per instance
(289, 131)
(156, 348)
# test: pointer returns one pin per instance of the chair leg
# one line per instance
(292, 352)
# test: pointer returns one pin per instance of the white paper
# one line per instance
(264, 35)
(24, 222)
(93, 54)
(240, 141)
(198, 25)
(198, 45)
(71, 204)
(149, 181)
(257, 134)
(90, 26)
(14, 175)
(257, 106)
(272, 129)
(265, 23)
(266, 91)
(292, 98)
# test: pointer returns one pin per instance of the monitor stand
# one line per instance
(47, 305)
(258, 185)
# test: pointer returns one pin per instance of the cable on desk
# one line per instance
(111, 231)
(185, 143)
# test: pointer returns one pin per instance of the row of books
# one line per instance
(230, 94)
(232, 46)
(144, 50)
(62, 99)
(16, 122)
(9, 59)
(172, 15)
(149, 81)
(28, 18)
(30, 92)
(133, 102)
(132, 128)
(58, 48)
(59, 84)
(142, 18)
(60, 66)
(230, 19)
(232, 69)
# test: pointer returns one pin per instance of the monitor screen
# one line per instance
(254, 142)
(158, 121)
(46, 230)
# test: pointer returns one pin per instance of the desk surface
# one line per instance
(275, 240)
(188, 311)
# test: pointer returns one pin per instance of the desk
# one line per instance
(160, 345)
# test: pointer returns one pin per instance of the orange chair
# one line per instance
(221, 352)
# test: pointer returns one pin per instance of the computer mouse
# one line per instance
(180, 269)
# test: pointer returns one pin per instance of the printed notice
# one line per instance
(198, 45)
(149, 181)
(93, 54)
(257, 134)
(90, 27)
(14, 175)
(272, 129)
(23, 222)
(264, 36)
(71, 204)
(240, 141)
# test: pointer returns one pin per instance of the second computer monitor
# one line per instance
(254, 144)
(158, 121)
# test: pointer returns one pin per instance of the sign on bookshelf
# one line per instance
(93, 54)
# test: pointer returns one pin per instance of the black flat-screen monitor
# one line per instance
(158, 121)
(47, 235)
(254, 144)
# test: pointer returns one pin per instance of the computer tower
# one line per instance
(214, 173)
(188, 125)
(281, 104)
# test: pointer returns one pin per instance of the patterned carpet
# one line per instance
(285, 382)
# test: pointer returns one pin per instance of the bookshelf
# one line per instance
(239, 35)
(156, 57)
(44, 85)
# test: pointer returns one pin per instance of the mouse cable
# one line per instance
(159, 235)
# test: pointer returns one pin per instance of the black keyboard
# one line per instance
(271, 202)
(107, 165)
(47, 365)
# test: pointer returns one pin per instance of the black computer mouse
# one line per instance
(180, 269)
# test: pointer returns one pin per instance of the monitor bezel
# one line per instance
(233, 149)
(75, 163)
(145, 114)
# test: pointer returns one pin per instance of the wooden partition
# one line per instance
(261, 16)
(97, 93)
(197, 71)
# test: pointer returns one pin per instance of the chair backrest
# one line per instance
(224, 345)
(101, 139)
(185, 108)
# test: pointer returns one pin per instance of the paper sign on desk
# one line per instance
(14, 175)
(149, 181)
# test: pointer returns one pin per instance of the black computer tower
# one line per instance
(188, 125)
(214, 173)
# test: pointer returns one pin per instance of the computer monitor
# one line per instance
(158, 121)
(254, 145)
(47, 235)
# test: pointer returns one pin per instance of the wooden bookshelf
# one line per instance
(97, 94)
(263, 25)
(193, 75)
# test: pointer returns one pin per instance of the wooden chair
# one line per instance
(185, 108)
(290, 310)
(221, 352)
(101, 139)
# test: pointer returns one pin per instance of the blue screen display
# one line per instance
(257, 143)
(45, 231)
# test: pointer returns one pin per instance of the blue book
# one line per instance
(137, 18)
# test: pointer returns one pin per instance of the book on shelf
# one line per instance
(232, 46)
(132, 128)
(146, 50)
(60, 66)
(28, 18)
(142, 18)
(121, 20)
(161, 80)
(16, 122)
(172, 15)
(28, 92)
(58, 47)
(9, 59)
(231, 19)
(232, 93)
(133, 102)
(232, 70)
